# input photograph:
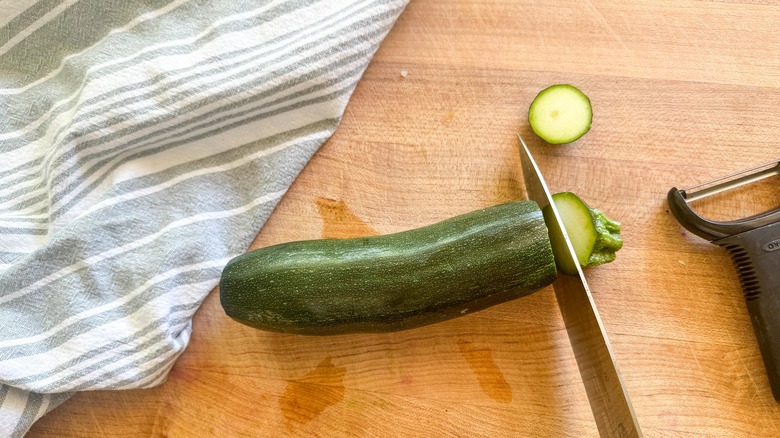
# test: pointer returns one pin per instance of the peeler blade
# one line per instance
(679, 204)
(732, 181)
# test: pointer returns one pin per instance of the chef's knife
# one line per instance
(607, 395)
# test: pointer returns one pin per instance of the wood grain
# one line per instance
(683, 92)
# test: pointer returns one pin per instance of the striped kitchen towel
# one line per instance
(142, 145)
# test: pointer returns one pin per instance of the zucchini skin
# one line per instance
(392, 282)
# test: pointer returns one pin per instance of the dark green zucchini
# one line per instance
(392, 282)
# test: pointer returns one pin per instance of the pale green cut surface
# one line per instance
(578, 222)
(560, 114)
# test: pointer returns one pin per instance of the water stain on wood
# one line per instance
(339, 222)
(306, 398)
(490, 377)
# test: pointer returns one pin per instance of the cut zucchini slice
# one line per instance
(578, 222)
(594, 237)
(560, 114)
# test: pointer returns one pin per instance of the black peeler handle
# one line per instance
(756, 255)
(754, 246)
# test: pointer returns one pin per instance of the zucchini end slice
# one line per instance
(594, 237)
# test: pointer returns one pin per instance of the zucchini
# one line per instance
(392, 282)
(594, 238)
(560, 114)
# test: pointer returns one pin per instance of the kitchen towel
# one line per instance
(142, 145)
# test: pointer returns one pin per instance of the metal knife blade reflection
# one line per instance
(604, 386)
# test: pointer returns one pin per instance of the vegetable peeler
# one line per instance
(754, 246)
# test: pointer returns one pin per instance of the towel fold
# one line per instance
(143, 145)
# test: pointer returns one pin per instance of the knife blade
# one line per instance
(600, 375)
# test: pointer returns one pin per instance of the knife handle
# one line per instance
(756, 256)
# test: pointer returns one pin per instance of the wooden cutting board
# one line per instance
(683, 92)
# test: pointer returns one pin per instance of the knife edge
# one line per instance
(604, 386)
